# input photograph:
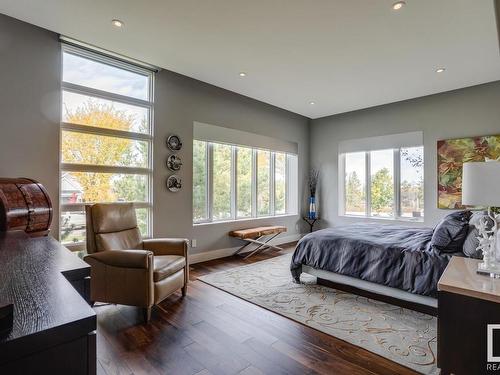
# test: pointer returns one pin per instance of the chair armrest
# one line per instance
(167, 246)
(122, 258)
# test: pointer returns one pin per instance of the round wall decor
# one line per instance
(174, 143)
(174, 163)
(174, 183)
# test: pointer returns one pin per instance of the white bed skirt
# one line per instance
(371, 287)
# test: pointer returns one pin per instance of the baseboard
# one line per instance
(222, 253)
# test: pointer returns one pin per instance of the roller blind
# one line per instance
(219, 134)
(411, 139)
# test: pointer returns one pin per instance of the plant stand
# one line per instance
(311, 222)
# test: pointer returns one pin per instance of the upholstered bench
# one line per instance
(255, 236)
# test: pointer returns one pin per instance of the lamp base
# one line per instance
(492, 269)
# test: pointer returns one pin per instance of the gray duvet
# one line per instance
(395, 256)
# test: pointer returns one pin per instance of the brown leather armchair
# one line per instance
(127, 270)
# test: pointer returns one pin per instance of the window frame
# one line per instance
(209, 149)
(397, 210)
(78, 128)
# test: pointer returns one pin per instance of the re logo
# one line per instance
(493, 345)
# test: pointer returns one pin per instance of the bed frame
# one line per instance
(424, 304)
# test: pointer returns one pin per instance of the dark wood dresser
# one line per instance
(468, 320)
(54, 327)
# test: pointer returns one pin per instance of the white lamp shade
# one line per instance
(481, 184)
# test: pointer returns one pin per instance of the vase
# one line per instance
(312, 208)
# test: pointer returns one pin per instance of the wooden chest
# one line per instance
(24, 205)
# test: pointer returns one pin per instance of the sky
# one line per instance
(100, 76)
(104, 77)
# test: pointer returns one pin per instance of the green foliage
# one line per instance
(244, 182)
(355, 197)
(382, 191)
(94, 150)
(280, 183)
(412, 196)
(263, 181)
(221, 195)
(221, 204)
(199, 180)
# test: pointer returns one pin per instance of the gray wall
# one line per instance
(467, 112)
(30, 74)
(179, 101)
(29, 139)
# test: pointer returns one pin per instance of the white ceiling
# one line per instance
(343, 55)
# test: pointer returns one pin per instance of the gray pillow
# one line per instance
(471, 242)
(449, 235)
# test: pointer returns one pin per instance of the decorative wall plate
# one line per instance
(174, 163)
(174, 183)
(174, 143)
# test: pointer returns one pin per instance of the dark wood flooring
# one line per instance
(212, 332)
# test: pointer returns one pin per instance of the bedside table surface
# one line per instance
(460, 277)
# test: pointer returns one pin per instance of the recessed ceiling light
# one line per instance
(117, 23)
(243, 74)
(440, 70)
(312, 102)
(398, 5)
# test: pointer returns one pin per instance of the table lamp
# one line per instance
(480, 187)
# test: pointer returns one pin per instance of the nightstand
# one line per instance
(468, 309)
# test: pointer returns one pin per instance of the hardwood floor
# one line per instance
(212, 332)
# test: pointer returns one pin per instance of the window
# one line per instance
(106, 135)
(355, 184)
(244, 174)
(200, 178)
(386, 183)
(412, 181)
(382, 183)
(222, 162)
(279, 183)
(234, 182)
(263, 183)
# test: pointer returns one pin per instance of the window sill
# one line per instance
(243, 220)
(390, 219)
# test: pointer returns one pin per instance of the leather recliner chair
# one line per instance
(127, 270)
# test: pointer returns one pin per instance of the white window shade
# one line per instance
(219, 134)
(402, 140)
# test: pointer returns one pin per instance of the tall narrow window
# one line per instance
(412, 181)
(200, 181)
(355, 184)
(280, 183)
(106, 135)
(263, 182)
(244, 177)
(222, 162)
(382, 183)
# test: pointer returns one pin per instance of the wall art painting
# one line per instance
(451, 154)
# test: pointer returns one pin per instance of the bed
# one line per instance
(394, 263)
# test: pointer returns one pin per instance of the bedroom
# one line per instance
(244, 99)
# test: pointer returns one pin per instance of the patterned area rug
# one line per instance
(401, 335)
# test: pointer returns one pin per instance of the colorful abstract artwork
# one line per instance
(452, 153)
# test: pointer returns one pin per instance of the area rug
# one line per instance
(401, 335)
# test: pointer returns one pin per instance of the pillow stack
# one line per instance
(450, 234)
